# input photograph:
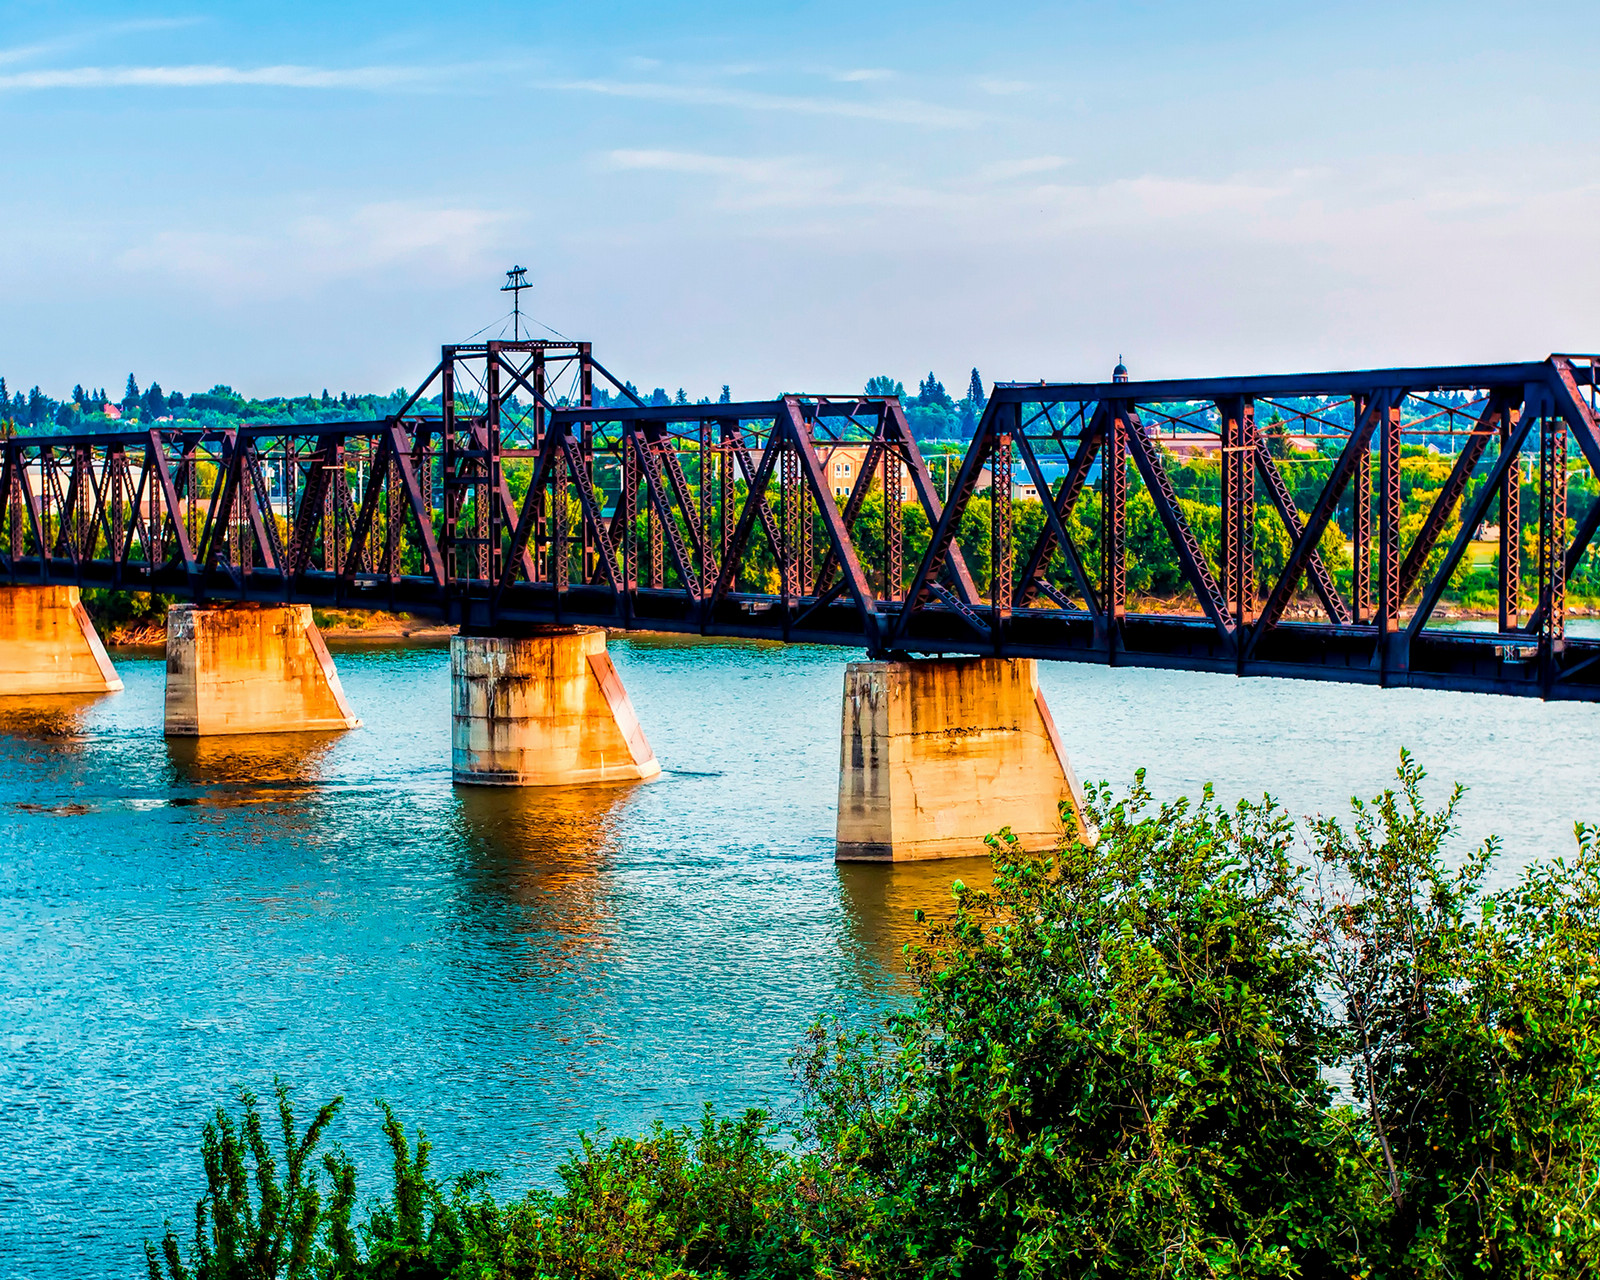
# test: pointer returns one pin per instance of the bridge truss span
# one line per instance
(1257, 526)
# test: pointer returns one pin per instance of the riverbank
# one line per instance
(335, 624)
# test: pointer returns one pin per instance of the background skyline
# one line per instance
(292, 197)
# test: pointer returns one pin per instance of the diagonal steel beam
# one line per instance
(1321, 580)
(944, 531)
(755, 501)
(1190, 558)
(855, 577)
(1455, 485)
(1378, 407)
(1058, 509)
(1469, 522)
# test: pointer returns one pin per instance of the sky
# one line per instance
(792, 196)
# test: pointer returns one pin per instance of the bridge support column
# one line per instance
(935, 754)
(49, 645)
(250, 669)
(542, 709)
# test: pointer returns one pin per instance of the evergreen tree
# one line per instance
(931, 394)
(155, 401)
(38, 407)
(883, 385)
(975, 392)
(682, 397)
(79, 396)
(659, 396)
(5, 396)
(727, 396)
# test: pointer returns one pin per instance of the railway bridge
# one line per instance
(526, 495)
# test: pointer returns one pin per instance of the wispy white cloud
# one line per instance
(862, 75)
(1005, 170)
(745, 182)
(43, 48)
(202, 76)
(891, 111)
(311, 251)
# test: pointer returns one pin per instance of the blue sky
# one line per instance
(793, 196)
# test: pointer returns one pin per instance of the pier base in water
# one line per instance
(250, 669)
(935, 754)
(545, 709)
(49, 645)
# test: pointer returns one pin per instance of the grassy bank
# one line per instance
(1117, 1062)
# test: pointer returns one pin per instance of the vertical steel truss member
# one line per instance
(1237, 416)
(1114, 521)
(628, 511)
(1002, 561)
(789, 505)
(1388, 618)
(1510, 535)
(346, 514)
(1553, 535)
(894, 498)
(706, 473)
(1361, 525)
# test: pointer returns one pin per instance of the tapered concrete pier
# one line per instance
(49, 645)
(935, 754)
(542, 709)
(250, 669)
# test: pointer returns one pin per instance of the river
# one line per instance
(511, 967)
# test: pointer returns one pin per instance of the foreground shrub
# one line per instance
(1195, 1050)
(1111, 1068)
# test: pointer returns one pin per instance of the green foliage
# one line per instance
(1472, 1036)
(259, 1235)
(1112, 1066)
(1189, 1050)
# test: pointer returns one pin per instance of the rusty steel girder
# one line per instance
(1192, 523)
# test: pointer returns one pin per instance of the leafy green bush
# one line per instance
(1195, 1050)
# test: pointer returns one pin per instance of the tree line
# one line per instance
(932, 412)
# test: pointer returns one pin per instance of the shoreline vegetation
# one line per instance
(1220, 1043)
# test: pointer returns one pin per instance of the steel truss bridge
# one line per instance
(502, 495)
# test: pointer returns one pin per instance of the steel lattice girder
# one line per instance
(421, 511)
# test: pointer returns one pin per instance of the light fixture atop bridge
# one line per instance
(516, 282)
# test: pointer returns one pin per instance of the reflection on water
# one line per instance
(247, 768)
(51, 717)
(880, 899)
(536, 860)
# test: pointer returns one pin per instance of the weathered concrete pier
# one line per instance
(250, 669)
(542, 709)
(935, 754)
(48, 644)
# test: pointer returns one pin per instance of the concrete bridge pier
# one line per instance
(542, 708)
(247, 668)
(49, 645)
(937, 753)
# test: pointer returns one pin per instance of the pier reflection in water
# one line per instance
(880, 903)
(509, 967)
(537, 864)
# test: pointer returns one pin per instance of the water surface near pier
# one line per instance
(513, 966)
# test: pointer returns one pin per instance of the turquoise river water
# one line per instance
(512, 967)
